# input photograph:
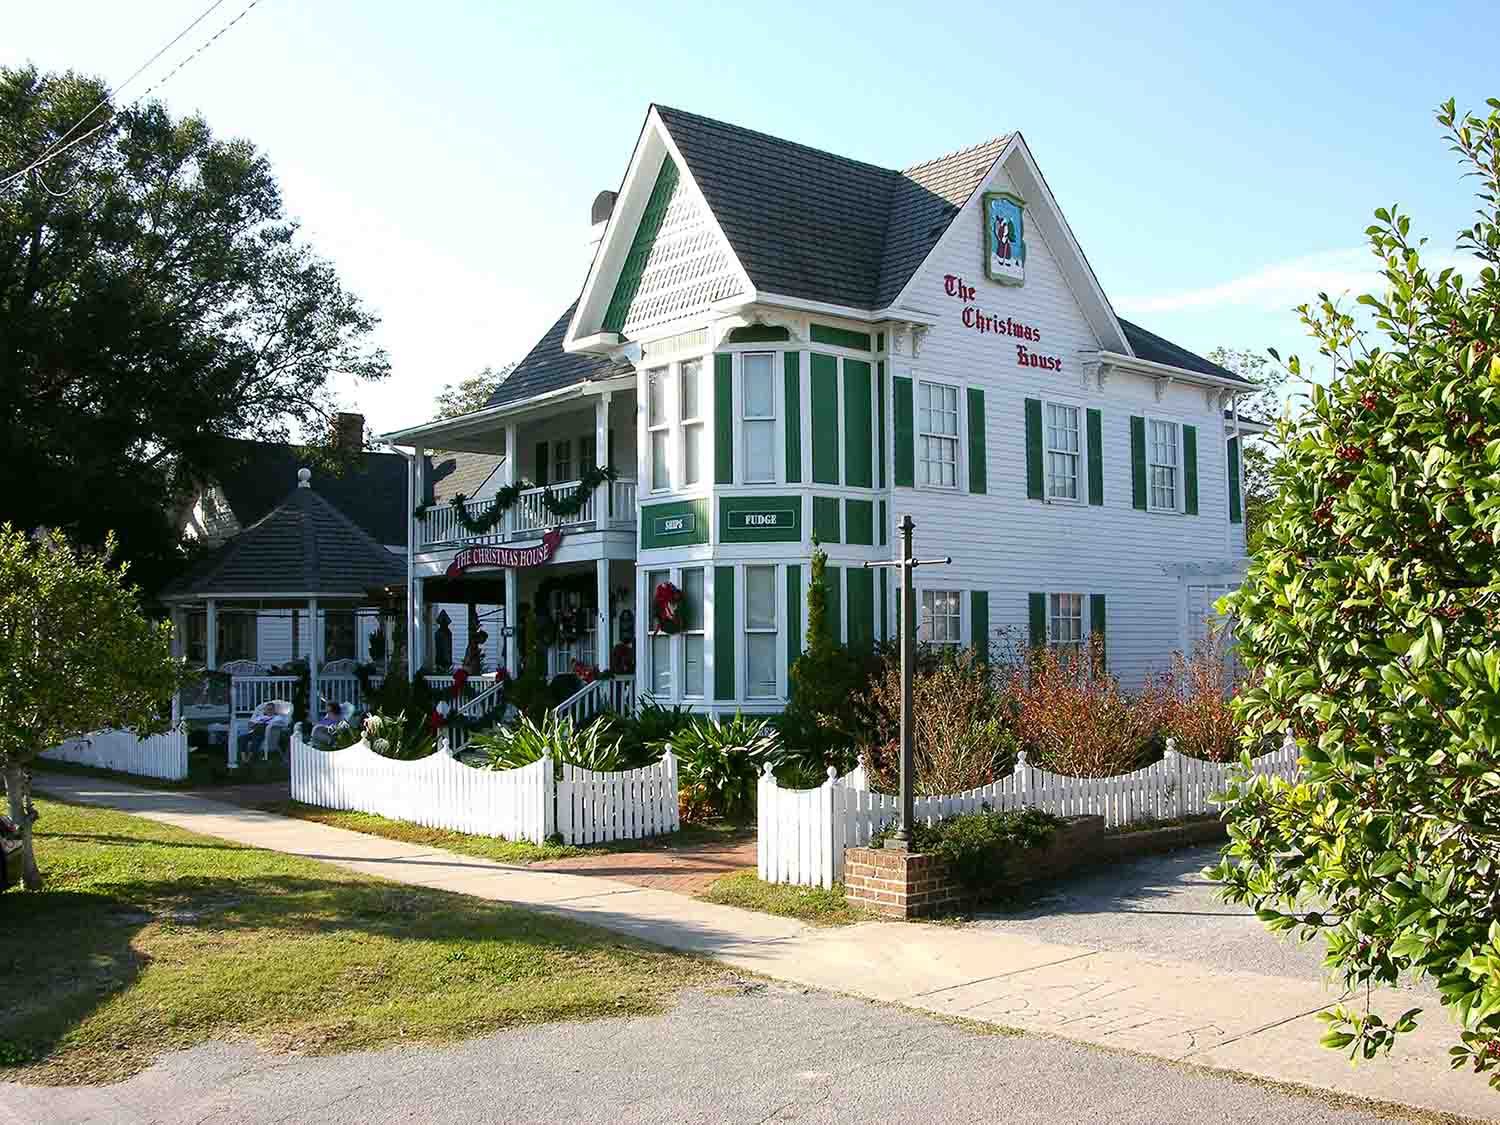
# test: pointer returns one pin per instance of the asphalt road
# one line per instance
(744, 1053)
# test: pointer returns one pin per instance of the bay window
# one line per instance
(760, 632)
(690, 416)
(758, 404)
(692, 631)
(659, 645)
(658, 428)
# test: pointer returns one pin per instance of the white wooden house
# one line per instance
(775, 343)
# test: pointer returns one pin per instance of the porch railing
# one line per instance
(529, 516)
(617, 695)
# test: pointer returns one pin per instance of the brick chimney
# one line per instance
(349, 431)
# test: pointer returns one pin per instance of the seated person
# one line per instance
(254, 739)
(324, 729)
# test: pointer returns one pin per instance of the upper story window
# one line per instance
(659, 430)
(942, 622)
(1065, 623)
(1063, 448)
(938, 435)
(690, 416)
(562, 461)
(1162, 451)
(758, 416)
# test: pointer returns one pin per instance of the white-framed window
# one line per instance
(562, 461)
(761, 680)
(658, 645)
(1163, 464)
(690, 416)
(1064, 441)
(1065, 623)
(658, 429)
(758, 415)
(588, 453)
(941, 617)
(692, 631)
(937, 434)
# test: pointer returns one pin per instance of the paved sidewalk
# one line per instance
(1257, 1024)
(687, 870)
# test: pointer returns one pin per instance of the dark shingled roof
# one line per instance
(302, 546)
(451, 473)
(548, 368)
(810, 224)
(371, 491)
(1152, 348)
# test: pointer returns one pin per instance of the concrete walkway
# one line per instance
(1252, 1023)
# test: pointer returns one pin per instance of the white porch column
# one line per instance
(212, 653)
(602, 494)
(510, 473)
(419, 493)
(314, 653)
(510, 651)
(602, 640)
(416, 628)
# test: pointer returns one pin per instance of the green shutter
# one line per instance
(1096, 457)
(859, 522)
(1235, 515)
(723, 419)
(541, 463)
(834, 577)
(652, 219)
(826, 519)
(1190, 470)
(792, 366)
(1037, 611)
(884, 521)
(1034, 487)
(825, 419)
(1138, 461)
(793, 616)
(1096, 625)
(839, 337)
(880, 412)
(978, 451)
(861, 583)
(905, 454)
(859, 472)
(979, 622)
(885, 602)
(724, 632)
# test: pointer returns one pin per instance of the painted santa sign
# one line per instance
(506, 557)
(1004, 238)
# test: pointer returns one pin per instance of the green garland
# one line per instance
(505, 499)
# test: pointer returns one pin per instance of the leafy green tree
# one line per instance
(470, 394)
(1372, 610)
(76, 655)
(1259, 452)
(154, 299)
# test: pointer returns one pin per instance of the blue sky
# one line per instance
(1217, 166)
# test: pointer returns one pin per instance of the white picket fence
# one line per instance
(163, 756)
(803, 832)
(528, 803)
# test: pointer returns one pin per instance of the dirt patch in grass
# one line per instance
(811, 904)
(148, 939)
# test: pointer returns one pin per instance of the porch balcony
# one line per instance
(529, 517)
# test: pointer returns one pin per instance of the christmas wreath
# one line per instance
(585, 672)
(668, 604)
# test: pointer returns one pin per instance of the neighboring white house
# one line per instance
(775, 343)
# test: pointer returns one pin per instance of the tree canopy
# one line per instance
(471, 393)
(154, 299)
(1371, 611)
(1259, 452)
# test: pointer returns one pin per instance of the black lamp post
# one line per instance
(900, 840)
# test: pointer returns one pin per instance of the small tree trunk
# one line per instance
(18, 789)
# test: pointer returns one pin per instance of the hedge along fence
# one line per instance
(528, 803)
(163, 756)
(803, 832)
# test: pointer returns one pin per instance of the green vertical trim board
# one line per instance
(792, 368)
(859, 472)
(724, 632)
(723, 418)
(1138, 462)
(1096, 457)
(1190, 470)
(1035, 489)
(905, 426)
(884, 523)
(834, 577)
(861, 584)
(1235, 515)
(880, 416)
(839, 337)
(979, 622)
(826, 519)
(1036, 612)
(793, 616)
(859, 522)
(978, 448)
(885, 603)
(1097, 619)
(825, 419)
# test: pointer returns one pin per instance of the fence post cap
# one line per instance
(767, 769)
(833, 773)
(1020, 757)
(1171, 746)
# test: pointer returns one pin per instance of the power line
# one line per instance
(58, 147)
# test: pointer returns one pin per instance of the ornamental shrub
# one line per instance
(1371, 612)
(510, 747)
(975, 846)
(719, 763)
(1197, 706)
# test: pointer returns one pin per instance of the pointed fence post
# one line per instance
(765, 825)
(833, 834)
(547, 821)
(1023, 780)
(1174, 772)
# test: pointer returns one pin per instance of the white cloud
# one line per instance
(1283, 285)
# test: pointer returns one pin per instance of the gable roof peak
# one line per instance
(998, 141)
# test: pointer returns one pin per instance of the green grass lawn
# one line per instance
(504, 851)
(811, 904)
(148, 938)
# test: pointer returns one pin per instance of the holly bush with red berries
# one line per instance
(1371, 612)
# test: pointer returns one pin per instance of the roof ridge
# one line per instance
(780, 140)
(998, 139)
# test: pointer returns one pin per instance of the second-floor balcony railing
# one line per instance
(529, 516)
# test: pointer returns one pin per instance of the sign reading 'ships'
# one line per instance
(984, 323)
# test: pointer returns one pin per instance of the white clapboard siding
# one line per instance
(163, 756)
(596, 807)
(803, 832)
(435, 791)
